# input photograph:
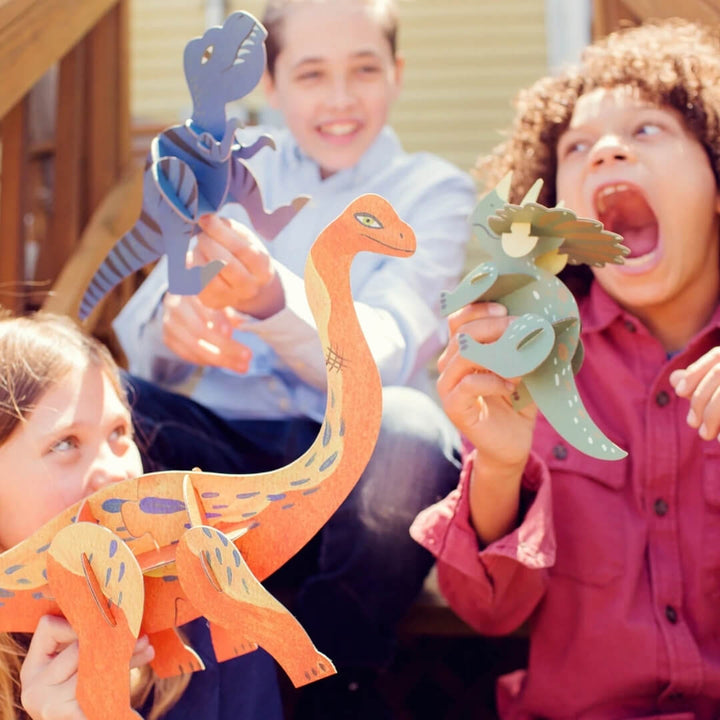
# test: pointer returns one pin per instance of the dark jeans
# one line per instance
(363, 571)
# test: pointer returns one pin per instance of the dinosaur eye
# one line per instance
(368, 220)
(207, 54)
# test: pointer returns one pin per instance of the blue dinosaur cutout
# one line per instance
(525, 246)
(195, 168)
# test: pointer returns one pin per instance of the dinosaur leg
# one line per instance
(176, 209)
(482, 284)
(219, 583)
(229, 643)
(525, 344)
(98, 585)
(245, 190)
(172, 655)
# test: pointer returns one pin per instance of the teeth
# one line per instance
(338, 128)
(606, 192)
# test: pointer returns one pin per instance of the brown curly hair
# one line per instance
(672, 63)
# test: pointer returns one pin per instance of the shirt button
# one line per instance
(660, 507)
(630, 326)
(560, 452)
(671, 614)
(662, 398)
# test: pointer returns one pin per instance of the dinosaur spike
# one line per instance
(532, 194)
(503, 187)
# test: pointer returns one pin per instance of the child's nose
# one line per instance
(341, 92)
(109, 467)
(609, 149)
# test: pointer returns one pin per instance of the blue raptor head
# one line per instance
(223, 65)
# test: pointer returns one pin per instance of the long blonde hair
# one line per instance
(36, 352)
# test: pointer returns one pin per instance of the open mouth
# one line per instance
(247, 46)
(622, 208)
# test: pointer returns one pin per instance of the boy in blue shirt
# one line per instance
(249, 343)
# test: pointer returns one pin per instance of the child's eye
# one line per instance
(648, 128)
(367, 69)
(120, 432)
(308, 75)
(576, 146)
(71, 442)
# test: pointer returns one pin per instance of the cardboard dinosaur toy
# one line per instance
(526, 245)
(152, 553)
(196, 167)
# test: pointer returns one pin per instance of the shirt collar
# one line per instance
(385, 146)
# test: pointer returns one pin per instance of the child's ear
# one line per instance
(399, 69)
(399, 73)
(268, 86)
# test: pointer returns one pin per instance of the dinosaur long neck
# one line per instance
(331, 467)
(209, 118)
(355, 393)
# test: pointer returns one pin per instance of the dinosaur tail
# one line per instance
(137, 248)
(170, 201)
(557, 397)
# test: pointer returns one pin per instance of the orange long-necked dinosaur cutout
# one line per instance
(150, 554)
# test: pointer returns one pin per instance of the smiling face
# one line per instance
(76, 440)
(636, 167)
(335, 79)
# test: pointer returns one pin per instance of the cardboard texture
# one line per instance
(526, 245)
(196, 167)
(178, 545)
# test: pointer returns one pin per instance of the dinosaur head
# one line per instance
(489, 204)
(223, 65)
(371, 223)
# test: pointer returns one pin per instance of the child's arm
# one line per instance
(700, 383)
(478, 403)
(49, 673)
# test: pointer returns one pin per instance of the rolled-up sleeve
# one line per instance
(495, 588)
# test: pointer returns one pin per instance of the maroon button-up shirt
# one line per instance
(616, 565)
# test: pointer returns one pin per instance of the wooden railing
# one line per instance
(89, 42)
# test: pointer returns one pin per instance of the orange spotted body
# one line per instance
(267, 517)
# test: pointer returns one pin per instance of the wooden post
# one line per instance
(68, 210)
(13, 203)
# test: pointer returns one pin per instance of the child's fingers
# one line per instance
(233, 243)
(704, 413)
(143, 653)
(202, 336)
(686, 381)
(700, 383)
(53, 652)
(475, 311)
(462, 383)
(477, 324)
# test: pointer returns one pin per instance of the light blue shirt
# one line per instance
(397, 299)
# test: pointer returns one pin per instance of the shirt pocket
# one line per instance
(589, 509)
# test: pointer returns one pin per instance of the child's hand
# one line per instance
(203, 336)
(477, 400)
(49, 674)
(248, 282)
(700, 383)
